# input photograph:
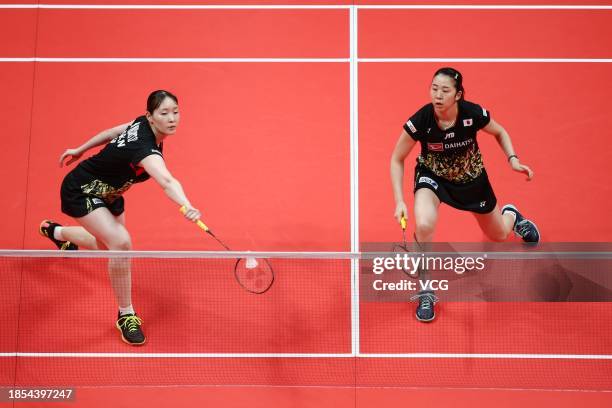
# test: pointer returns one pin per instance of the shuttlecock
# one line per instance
(251, 263)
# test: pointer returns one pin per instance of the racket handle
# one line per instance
(199, 223)
(403, 222)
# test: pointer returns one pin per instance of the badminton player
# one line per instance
(450, 169)
(92, 194)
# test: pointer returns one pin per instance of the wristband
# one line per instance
(511, 156)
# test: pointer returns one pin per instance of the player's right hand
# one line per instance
(191, 213)
(401, 211)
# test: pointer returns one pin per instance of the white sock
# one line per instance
(126, 310)
(513, 216)
(57, 234)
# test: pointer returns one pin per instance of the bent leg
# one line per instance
(79, 236)
(110, 231)
(496, 226)
(426, 205)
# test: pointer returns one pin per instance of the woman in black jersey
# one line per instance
(92, 193)
(450, 169)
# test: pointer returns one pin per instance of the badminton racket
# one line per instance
(254, 275)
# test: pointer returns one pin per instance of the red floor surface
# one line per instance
(322, 397)
(188, 306)
(264, 151)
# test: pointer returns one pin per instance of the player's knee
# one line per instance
(425, 227)
(120, 243)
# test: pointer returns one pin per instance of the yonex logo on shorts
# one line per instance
(468, 122)
(484, 111)
(411, 127)
(155, 151)
(97, 201)
(428, 181)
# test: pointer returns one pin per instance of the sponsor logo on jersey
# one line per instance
(468, 122)
(464, 143)
(129, 135)
(449, 135)
(132, 133)
(435, 147)
(429, 181)
(411, 126)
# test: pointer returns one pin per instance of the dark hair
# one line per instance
(157, 97)
(454, 74)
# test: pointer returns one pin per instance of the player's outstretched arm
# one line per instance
(101, 138)
(155, 166)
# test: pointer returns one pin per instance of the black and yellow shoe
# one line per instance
(46, 229)
(129, 326)
(524, 228)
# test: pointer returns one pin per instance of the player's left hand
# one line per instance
(521, 168)
(72, 155)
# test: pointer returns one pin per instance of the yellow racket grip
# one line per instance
(403, 222)
(199, 223)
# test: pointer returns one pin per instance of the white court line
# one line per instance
(492, 356)
(484, 7)
(173, 7)
(179, 355)
(300, 7)
(307, 60)
(354, 178)
(479, 60)
(488, 356)
(50, 253)
(352, 387)
(54, 253)
(176, 60)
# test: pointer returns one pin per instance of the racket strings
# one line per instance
(255, 280)
(253, 276)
